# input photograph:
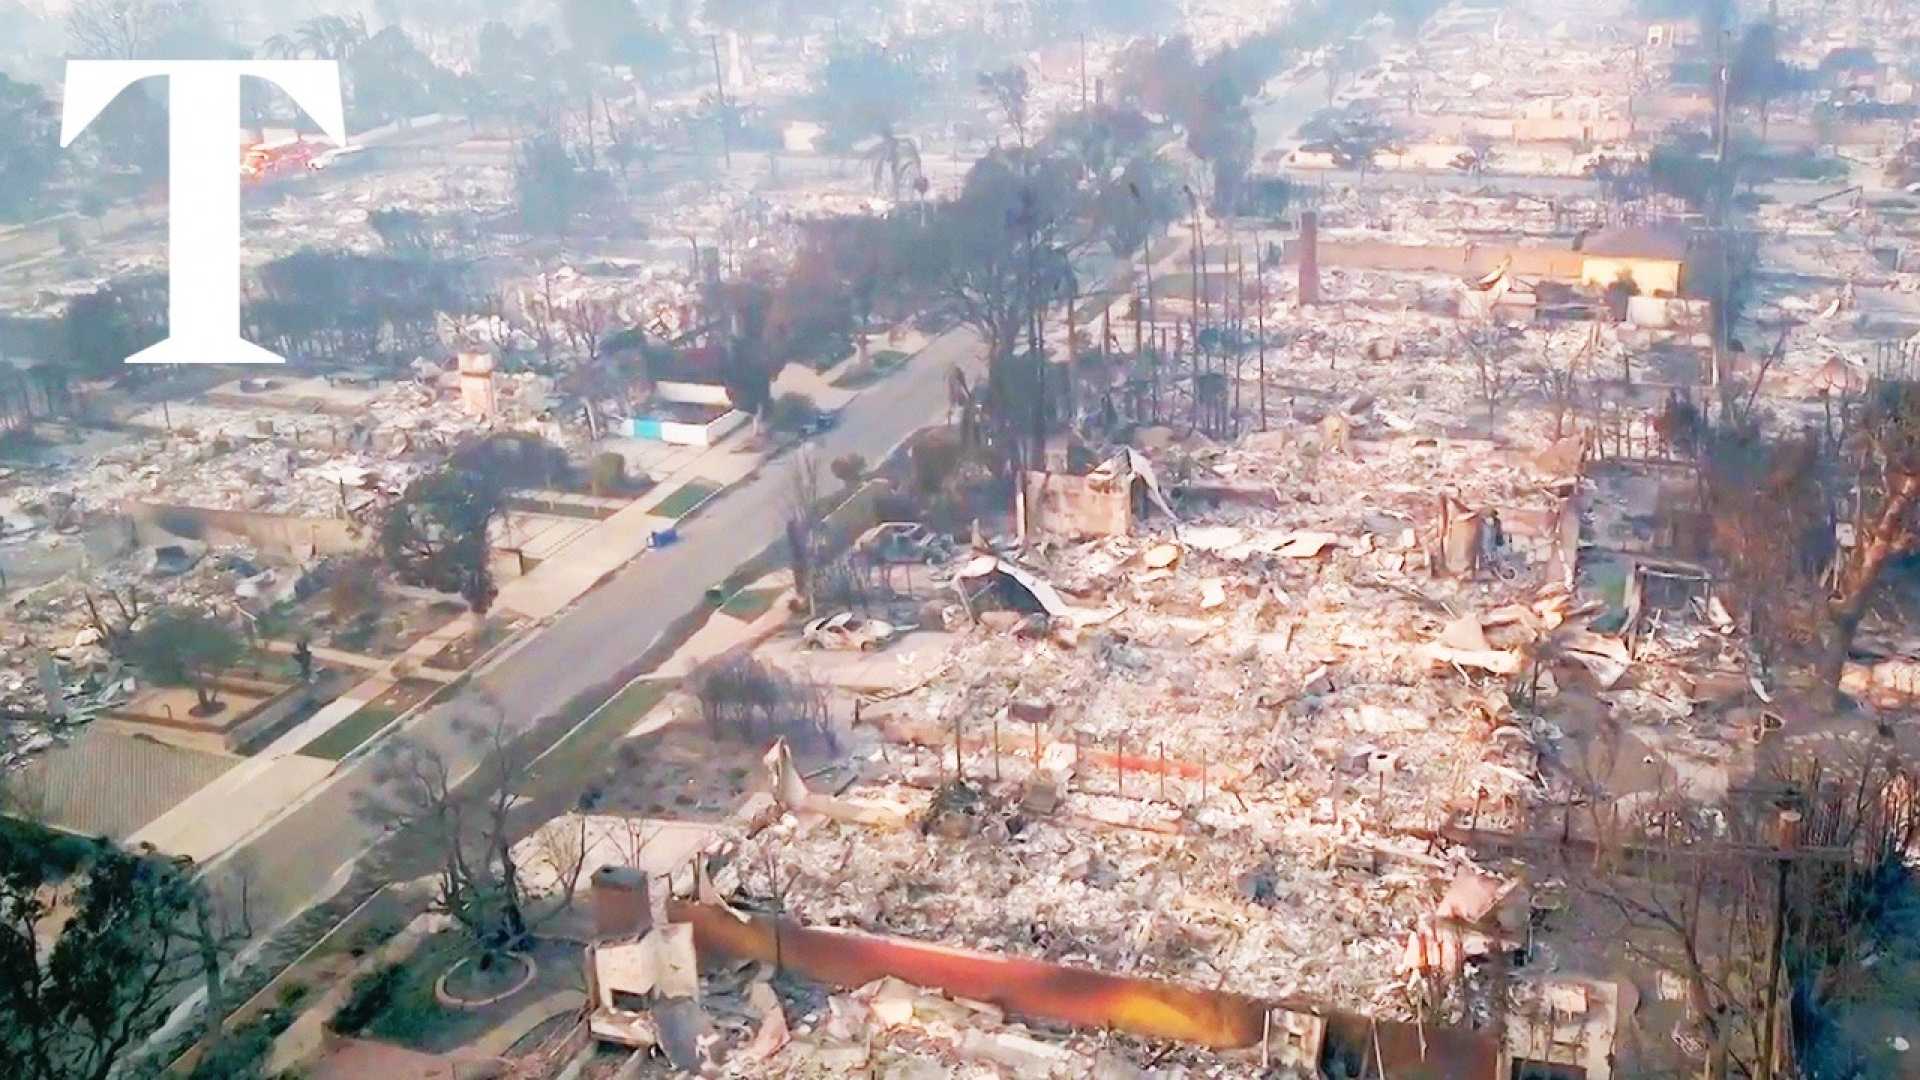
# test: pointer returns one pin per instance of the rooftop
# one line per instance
(1636, 241)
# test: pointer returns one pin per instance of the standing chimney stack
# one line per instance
(1309, 257)
(620, 906)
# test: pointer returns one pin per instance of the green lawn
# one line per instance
(412, 1016)
(265, 664)
(749, 604)
(405, 1010)
(351, 732)
(682, 502)
(577, 755)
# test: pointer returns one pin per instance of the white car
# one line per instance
(329, 157)
(849, 631)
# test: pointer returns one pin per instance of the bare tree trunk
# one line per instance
(1071, 405)
(1888, 536)
(1836, 640)
(207, 941)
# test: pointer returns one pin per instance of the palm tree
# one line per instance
(280, 47)
(255, 101)
(323, 37)
(332, 37)
(896, 156)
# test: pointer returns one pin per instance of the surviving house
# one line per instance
(687, 414)
(1653, 259)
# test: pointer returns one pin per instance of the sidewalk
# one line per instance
(219, 815)
(501, 1039)
(724, 632)
(416, 662)
(618, 540)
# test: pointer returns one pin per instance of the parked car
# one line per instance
(821, 422)
(849, 631)
(905, 542)
(328, 158)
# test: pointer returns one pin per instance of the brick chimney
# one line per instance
(476, 383)
(620, 905)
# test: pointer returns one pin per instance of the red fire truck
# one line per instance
(280, 157)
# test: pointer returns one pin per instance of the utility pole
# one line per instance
(1786, 838)
(1028, 222)
(720, 93)
(1153, 365)
(1072, 405)
(1083, 71)
(1198, 262)
(1260, 319)
(1722, 78)
(1239, 327)
(1146, 251)
(1138, 303)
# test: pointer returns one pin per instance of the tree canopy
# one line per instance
(102, 328)
(130, 931)
(318, 304)
(29, 147)
(182, 647)
(549, 186)
(1757, 75)
(598, 28)
(143, 30)
(1208, 100)
(436, 535)
(867, 90)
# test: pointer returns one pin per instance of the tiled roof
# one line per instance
(109, 784)
(1637, 241)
